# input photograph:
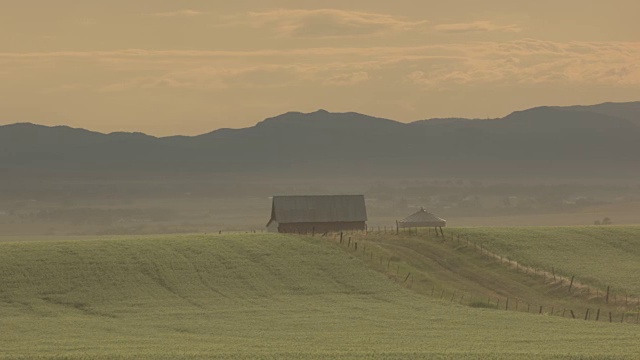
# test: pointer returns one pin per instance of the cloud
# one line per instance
(179, 13)
(532, 62)
(347, 79)
(328, 23)
(88, 22)
(481, 64)
(64, 88)
(477, 26)
(215, 78)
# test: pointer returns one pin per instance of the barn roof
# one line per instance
(424, 218)
(318, 208)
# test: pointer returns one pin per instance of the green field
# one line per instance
(598, 255)
(254, 296)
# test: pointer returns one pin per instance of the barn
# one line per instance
(317, 214)
(422, 219)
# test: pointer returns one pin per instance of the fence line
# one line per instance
(406, 279)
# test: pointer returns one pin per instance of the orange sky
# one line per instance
(191, 66)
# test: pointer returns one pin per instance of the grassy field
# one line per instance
(598, 255)
(255, 297)
(464, 271)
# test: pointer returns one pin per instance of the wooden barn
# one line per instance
(317, 214)
(422, 219)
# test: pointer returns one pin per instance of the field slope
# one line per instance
(599, 255)
(521, 269)
(253, 296)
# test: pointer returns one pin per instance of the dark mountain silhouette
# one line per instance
(628, 111)
(599, 141)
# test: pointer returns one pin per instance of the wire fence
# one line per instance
(598, 304)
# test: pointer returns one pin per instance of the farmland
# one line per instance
(599, 255)
(468, 267)
(255, 296)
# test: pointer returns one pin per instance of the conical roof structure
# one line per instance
(422, 218)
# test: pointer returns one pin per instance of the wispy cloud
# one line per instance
(88, 22)
(477, 26)
(513, 63)
(347, 79)
(326, 23)
(178, 13)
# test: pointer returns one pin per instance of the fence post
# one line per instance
(607, 298)
(610, 317)
(598, 314)
(571, 284)
(406, 278)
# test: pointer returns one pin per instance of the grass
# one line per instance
(598, 255)
(253, 297)
(460, 272)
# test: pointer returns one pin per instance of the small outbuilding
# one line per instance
(422, 219)
(308, 214)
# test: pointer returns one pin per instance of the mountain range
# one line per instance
(594, 141)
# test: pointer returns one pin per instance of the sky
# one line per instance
(191, 66)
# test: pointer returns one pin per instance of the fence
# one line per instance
(603, 305)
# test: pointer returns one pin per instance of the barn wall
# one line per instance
(321, 227)
(272, 227)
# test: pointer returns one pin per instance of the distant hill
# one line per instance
(599, 141)
(628, 111)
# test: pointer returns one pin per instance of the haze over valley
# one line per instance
(285, 179)
(542, 166)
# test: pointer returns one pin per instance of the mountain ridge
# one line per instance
(542, 140)
(602, 109)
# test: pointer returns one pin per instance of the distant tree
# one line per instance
(606, 221)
